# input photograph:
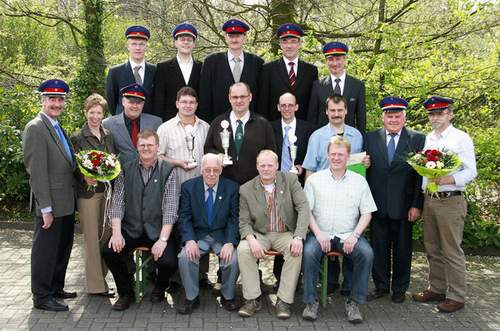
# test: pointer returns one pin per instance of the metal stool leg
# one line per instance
(324, 281)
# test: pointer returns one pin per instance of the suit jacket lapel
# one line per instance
(55, 136)
(129, 75)
(199, 189)
(259, 194)
(299, 73)
(121, 129)
(283, 72)
(279, 188)
(176, 69)
(381, 142)
(327, 83)
(218, 198)
(401, 148)
(148, 75)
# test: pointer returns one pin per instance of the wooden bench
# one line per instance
(142, 257)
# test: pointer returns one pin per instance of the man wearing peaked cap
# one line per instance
(126, 126)
(287, 74)
(48, 157)
(135, 70)
(221, 70)
(178, 72)
(338, 82)
(396, 189)
(444, 214)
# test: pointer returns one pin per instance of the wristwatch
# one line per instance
(298, 237)
(164, 239)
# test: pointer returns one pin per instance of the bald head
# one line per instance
(287, 106)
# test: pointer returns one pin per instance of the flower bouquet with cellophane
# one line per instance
(98, 165)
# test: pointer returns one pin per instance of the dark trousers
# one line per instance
(334, 272)
(117, 263)
(391, 241)
(50, 256)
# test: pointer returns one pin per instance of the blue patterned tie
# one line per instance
(286, 159)
(209, 204)
(63, 140)
(391, 147)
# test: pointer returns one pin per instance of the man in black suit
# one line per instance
(176, 73)
(221, 70)
(338, 82)
(135, 70)
(288, 74)
(395, 188)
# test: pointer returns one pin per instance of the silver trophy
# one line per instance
(293, 152)
(190, 146)
(224, 137)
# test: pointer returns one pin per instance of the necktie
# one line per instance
(134, 131)
(137, 77)
(238, 138)
(286, 158)
(336, 89)
(291, 74)
(237, 69)
(64, 141)
(391, 147)
(209, 205)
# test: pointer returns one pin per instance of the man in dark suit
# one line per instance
(126, 126)
(249, 133)
(395, 188)
(49, 161)
(287, 74)
(208, 221)
(176, 73)
(135, 70)
(338, 82)
(221, 70)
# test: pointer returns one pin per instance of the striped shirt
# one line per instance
(276, 223)
(173, 144)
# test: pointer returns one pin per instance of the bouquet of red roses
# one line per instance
(98, 165)
(433, 163)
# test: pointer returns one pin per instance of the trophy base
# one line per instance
(192, 164)
(227, 162)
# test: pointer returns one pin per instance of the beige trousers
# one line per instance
(249, 269)
(91, 213)
(443, 233)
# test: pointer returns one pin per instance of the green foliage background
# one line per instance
(410, 48)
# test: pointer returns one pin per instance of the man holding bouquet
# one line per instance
(444, 212)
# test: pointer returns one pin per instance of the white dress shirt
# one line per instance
(341, 83)
(292, 125)
(295, 67)
(230, 58)
(396, 138)
(186, 68)
(458, 142)
(234, 124)
(142, 70)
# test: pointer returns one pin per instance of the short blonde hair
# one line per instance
(339, 141)
(210, 156)
(95, 99)
(267, 152)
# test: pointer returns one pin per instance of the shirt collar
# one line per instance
(398, 134)
(177, 120)
(184, 63)
(341, 178)
(213, 187)
(134, 64)
(230, 56)
(292, 124)
(152, 167)
(52, 121)
(342, 77)
(244, 119)
(295, 61)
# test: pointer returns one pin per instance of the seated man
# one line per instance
(143, 212)
(274, 214)
(208, 221)
(341, 205)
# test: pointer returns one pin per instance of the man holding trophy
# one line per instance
(182, 137)
(239, 135)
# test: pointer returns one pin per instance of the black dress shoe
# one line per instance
(186, 306)
(52, 305)
(398, 297)
(229, 305)
(108, 294)
(123, 302)
(377, 294)
(158, 294)
(64, 295)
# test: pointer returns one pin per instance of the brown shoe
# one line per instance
(449, 306)
(123, 302)
(427, 296)
(282, 309)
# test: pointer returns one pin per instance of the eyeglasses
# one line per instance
(184, 102)
(239, 97)
(285, 106)
(210, 171)
(138, 44)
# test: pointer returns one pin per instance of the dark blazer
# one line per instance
(258, 135)
(193, 223)
(395, 187)
(84, 140)
(51, 171)
(303, 131)
(354, 92)
(274, 82)
(216, 78)
(168, 81)
(123, 143)
(122, 75)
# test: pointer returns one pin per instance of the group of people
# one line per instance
(243, 159)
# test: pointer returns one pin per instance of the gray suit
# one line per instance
(123, 143)
(53, 183)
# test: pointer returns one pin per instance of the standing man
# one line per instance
(143, 212)
(135, 70)
(176, 73)
(341, 204)
(185, 128)
(288, 74)
(249, 134)
(126, 126)
(221, 70)
(48, 157)
(444, 214)
(274, 214)
(338, 82)
(208, 221)
(396, 189)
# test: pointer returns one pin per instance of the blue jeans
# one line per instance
(362, 260)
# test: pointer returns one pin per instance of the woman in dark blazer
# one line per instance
(91, 201)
